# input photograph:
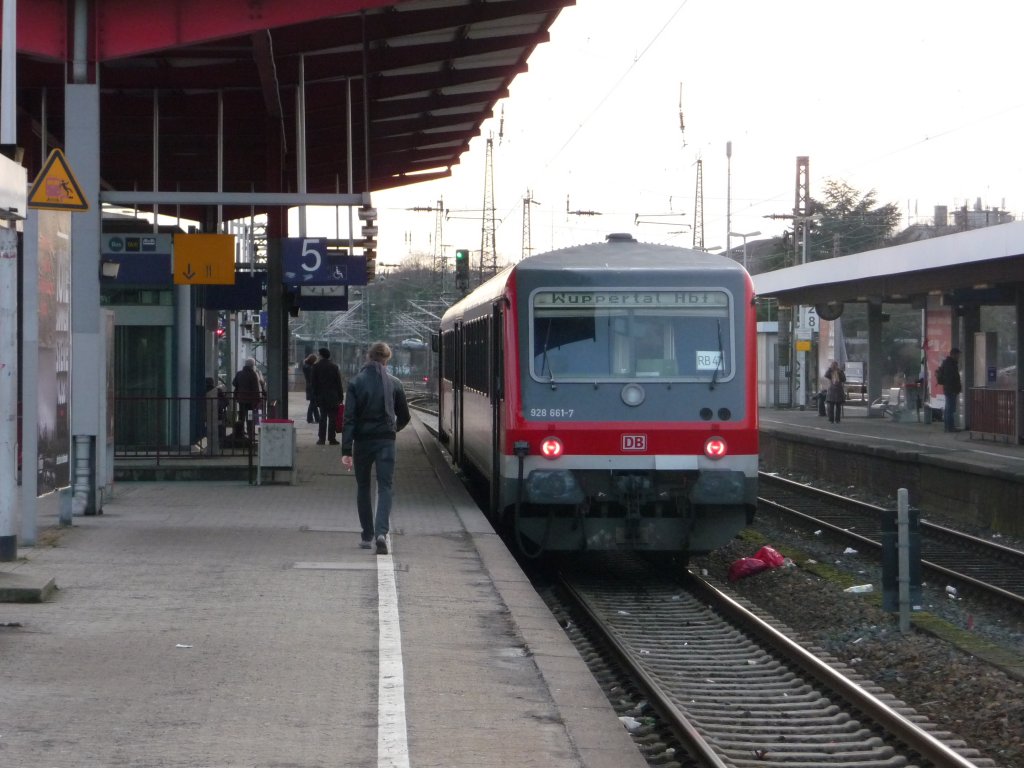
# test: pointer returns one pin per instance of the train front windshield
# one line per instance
(590, 335)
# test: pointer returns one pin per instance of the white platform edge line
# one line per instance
(392, 745)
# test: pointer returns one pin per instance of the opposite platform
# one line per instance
(224, 624)
(980, 482)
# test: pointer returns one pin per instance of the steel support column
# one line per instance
(874, 377)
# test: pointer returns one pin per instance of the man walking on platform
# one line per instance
(948, 375)
(328, 390)
(375, 411)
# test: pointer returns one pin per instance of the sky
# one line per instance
(917, 100)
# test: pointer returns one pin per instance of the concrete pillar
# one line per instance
(83, 154)
(971, 325)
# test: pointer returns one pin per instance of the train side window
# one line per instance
(478, 355)
(448, 355)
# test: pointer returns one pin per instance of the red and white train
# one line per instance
(607, 395)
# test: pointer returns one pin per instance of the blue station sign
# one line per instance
(143, 259)
(307, 261)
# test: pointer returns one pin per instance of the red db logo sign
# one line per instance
(634, 442)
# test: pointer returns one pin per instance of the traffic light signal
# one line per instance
(462, 269)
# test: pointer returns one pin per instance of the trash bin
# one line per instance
(276, 446)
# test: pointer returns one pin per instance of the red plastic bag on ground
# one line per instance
(746, 566)
(770, 556)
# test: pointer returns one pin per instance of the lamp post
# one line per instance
(745, 235)
(728, 196)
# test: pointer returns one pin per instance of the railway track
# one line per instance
(738, 690)
(967, 562)
(700, 680)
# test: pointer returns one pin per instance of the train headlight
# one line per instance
(715, 448)
(551, 448)
(633, 395)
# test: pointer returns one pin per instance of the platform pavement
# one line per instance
(222, 624)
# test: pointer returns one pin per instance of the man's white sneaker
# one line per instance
(383, 544)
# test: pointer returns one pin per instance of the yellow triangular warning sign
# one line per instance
(56, 187)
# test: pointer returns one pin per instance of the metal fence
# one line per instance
(993, 412)
(187, 427)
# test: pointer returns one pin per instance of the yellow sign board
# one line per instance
(803, 346)
(204, 259)
(56, 187)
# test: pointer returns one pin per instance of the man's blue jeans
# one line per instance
(949, 413)
(366, 454)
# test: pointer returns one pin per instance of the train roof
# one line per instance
(619, 253)
(622, 252)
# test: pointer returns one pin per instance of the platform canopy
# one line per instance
(203, 95)
(975, 266)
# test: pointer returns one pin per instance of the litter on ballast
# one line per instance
(631, 723)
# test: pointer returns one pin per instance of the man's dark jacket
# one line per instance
(328, 389)
(247, 386)
(365, 415)
(948, 376)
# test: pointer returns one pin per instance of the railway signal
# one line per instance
(462, 269)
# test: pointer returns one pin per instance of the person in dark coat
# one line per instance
(375, 411)
(312, 410)
(250, 392)
(948, 375)
(835, 395)
(328, 391)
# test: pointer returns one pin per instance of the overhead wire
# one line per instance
(608, 93)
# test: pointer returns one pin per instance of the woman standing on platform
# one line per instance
(836, 394)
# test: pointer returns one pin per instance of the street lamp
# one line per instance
(745, 235)
(728, 196)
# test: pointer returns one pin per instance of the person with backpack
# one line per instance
(948, 377)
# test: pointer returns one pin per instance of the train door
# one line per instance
(458, 381)
(437, 347)
(496, 373)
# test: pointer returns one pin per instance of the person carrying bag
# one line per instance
(836, 395)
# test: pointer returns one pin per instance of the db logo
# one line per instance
(634, 442)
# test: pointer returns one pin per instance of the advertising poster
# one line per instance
(938, 342)
(54, 375)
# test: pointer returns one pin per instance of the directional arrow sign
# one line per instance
(204, 259)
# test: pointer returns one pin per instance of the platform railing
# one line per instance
(187, 427)
(993, 412)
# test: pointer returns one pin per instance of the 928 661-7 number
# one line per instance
(551, 413)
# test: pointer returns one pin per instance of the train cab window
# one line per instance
(679, 335)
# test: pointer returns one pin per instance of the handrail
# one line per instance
(159, 427)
